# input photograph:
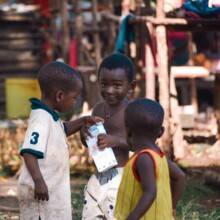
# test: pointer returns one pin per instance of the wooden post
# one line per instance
(65, 29)
(149, 66)
(194, 99)
(217, 100)
(54, 8)
(111, 30)
(176, 129)
(163, 76)
(79, 30)
(96, 34)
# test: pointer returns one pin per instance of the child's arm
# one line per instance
(74, 126)
(177, 177)
(41, 190)
(106, 140)
(83, 137)
(146, 172)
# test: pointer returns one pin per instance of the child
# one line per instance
(144, 192)
(116, 81)
(44, 182)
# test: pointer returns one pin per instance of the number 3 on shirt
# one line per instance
(35, 137)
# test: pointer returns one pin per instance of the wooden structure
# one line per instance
(167, 87)
(166, 74)
(21, 47)
(89, 59)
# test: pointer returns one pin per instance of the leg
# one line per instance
(108, 195)
(91, 209)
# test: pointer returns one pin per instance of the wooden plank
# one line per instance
(17, 18)
(86, 69)
(176, 24)
(189, 71)
(8, 35)
(20, 68)
(13, 60)
(21, 47)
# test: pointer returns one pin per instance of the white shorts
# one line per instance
(101, 194)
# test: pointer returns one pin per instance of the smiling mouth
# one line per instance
(110, 98)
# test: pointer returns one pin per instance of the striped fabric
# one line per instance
(130, 189)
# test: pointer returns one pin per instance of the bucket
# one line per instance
(18, 92)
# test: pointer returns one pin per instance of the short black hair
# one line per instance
(117, 60)
(56, 76)
(144, 116)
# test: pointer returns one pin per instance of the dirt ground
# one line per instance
(201, 164)
(194, 176)
(9, 207)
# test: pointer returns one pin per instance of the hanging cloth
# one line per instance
(200, 7)
(126, 34)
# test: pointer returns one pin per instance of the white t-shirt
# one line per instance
(45, 138)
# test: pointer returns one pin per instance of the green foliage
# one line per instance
(78, 194)
(190, 206)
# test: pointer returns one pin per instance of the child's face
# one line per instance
(114, 85)
(68, 99)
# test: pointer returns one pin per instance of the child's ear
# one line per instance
(59, 95)
(132, 86)
(162, 129)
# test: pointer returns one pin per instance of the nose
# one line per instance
(109, 89)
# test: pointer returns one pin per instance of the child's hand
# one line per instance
(89, 121)
(84, 132)
(41, 191)
(106, 140)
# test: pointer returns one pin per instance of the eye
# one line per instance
(117, 85)
(102, 84)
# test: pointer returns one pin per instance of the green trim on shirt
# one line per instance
(38, 154)
(37, 104)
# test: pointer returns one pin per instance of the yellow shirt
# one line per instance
(130, 189)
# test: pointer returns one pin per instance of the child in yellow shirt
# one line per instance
(151, 185)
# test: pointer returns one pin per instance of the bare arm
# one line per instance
(84, 130)
(74, 126)
(83, 135)
(145, 169)
(177, 178)
(106, 140)
(41, 190)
